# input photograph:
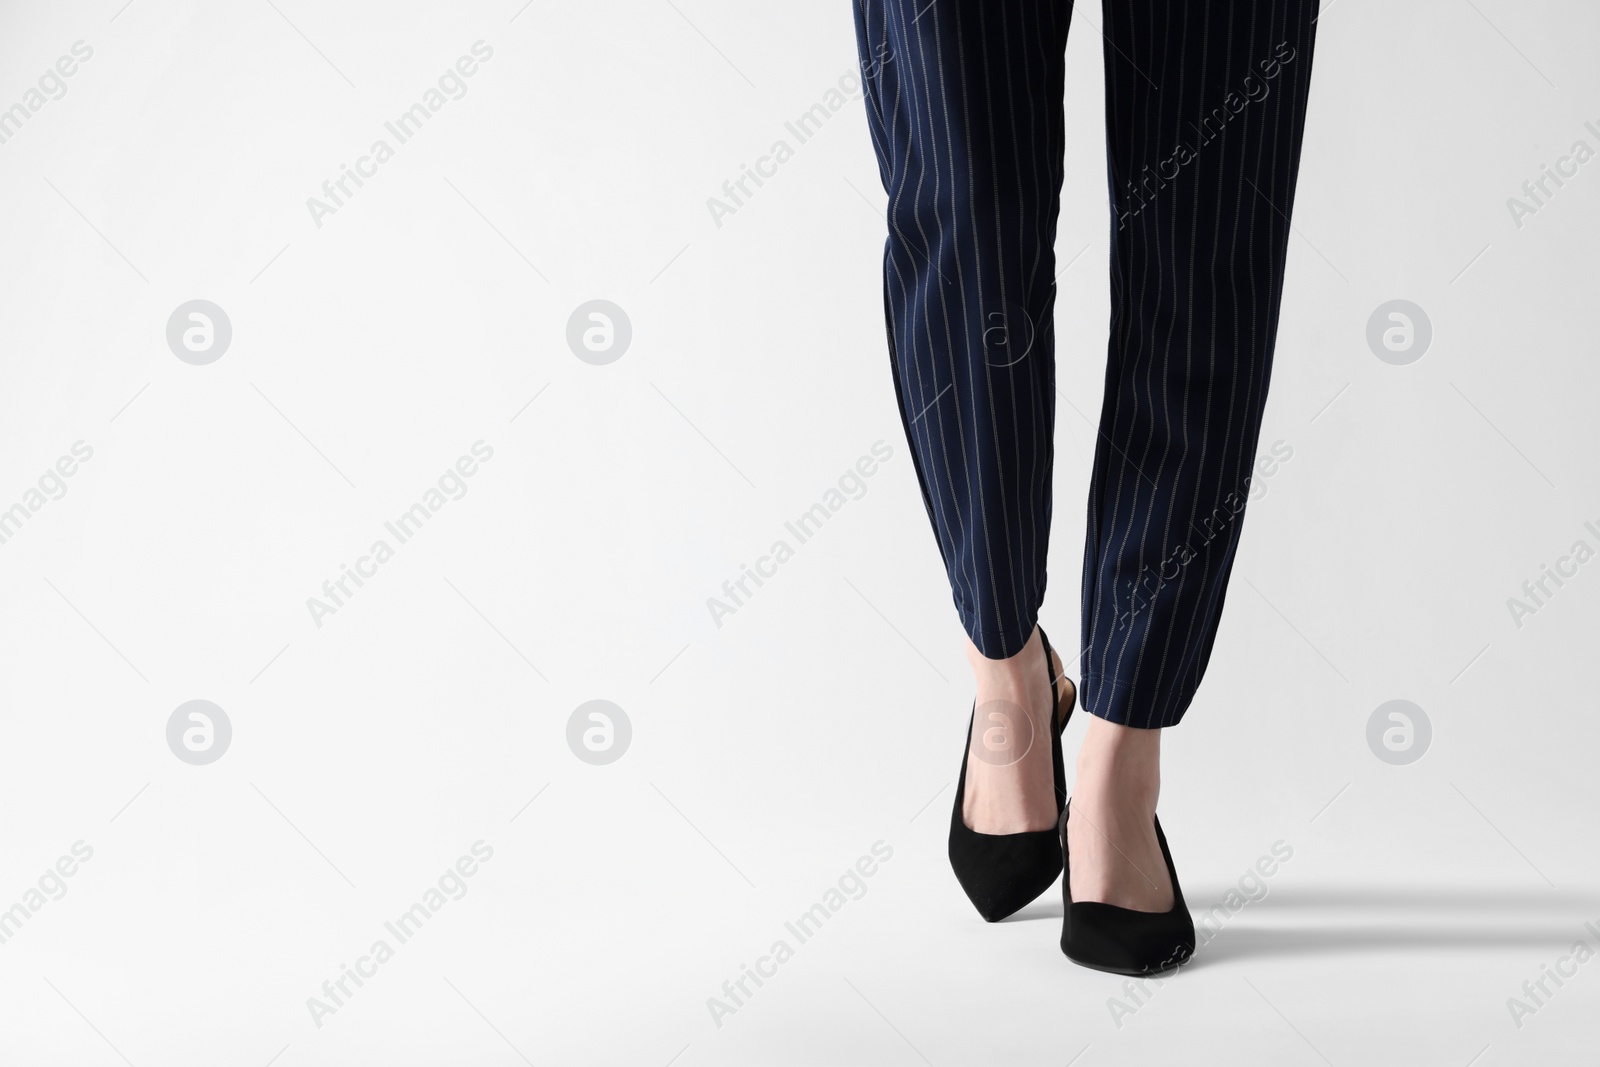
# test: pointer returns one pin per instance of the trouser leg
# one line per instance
(1205, 108)
(964, 101)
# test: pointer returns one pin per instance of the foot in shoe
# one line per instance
(1111, 832)
(1010, 781)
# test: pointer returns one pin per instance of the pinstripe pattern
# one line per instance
(1205, 107)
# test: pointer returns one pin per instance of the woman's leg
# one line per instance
(964, 101)
(1205, 107)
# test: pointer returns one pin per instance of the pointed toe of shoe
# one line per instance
(1108, 938)
(1004, 873)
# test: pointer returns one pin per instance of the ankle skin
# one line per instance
(1112, 825)
(1011, 678)
(1124, 758)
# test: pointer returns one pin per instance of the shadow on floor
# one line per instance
(1388, 917)
(1536, 899)
(1257, 942)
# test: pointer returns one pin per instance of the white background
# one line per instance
(828, 712)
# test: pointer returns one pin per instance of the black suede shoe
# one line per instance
(1003, 873)
(1120, 940)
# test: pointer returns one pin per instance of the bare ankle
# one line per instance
(1014, 665)
(1124, 758)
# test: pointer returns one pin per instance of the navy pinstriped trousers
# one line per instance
(1205, 107)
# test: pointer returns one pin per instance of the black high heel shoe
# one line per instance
(1003, 873)
(1120, 940)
